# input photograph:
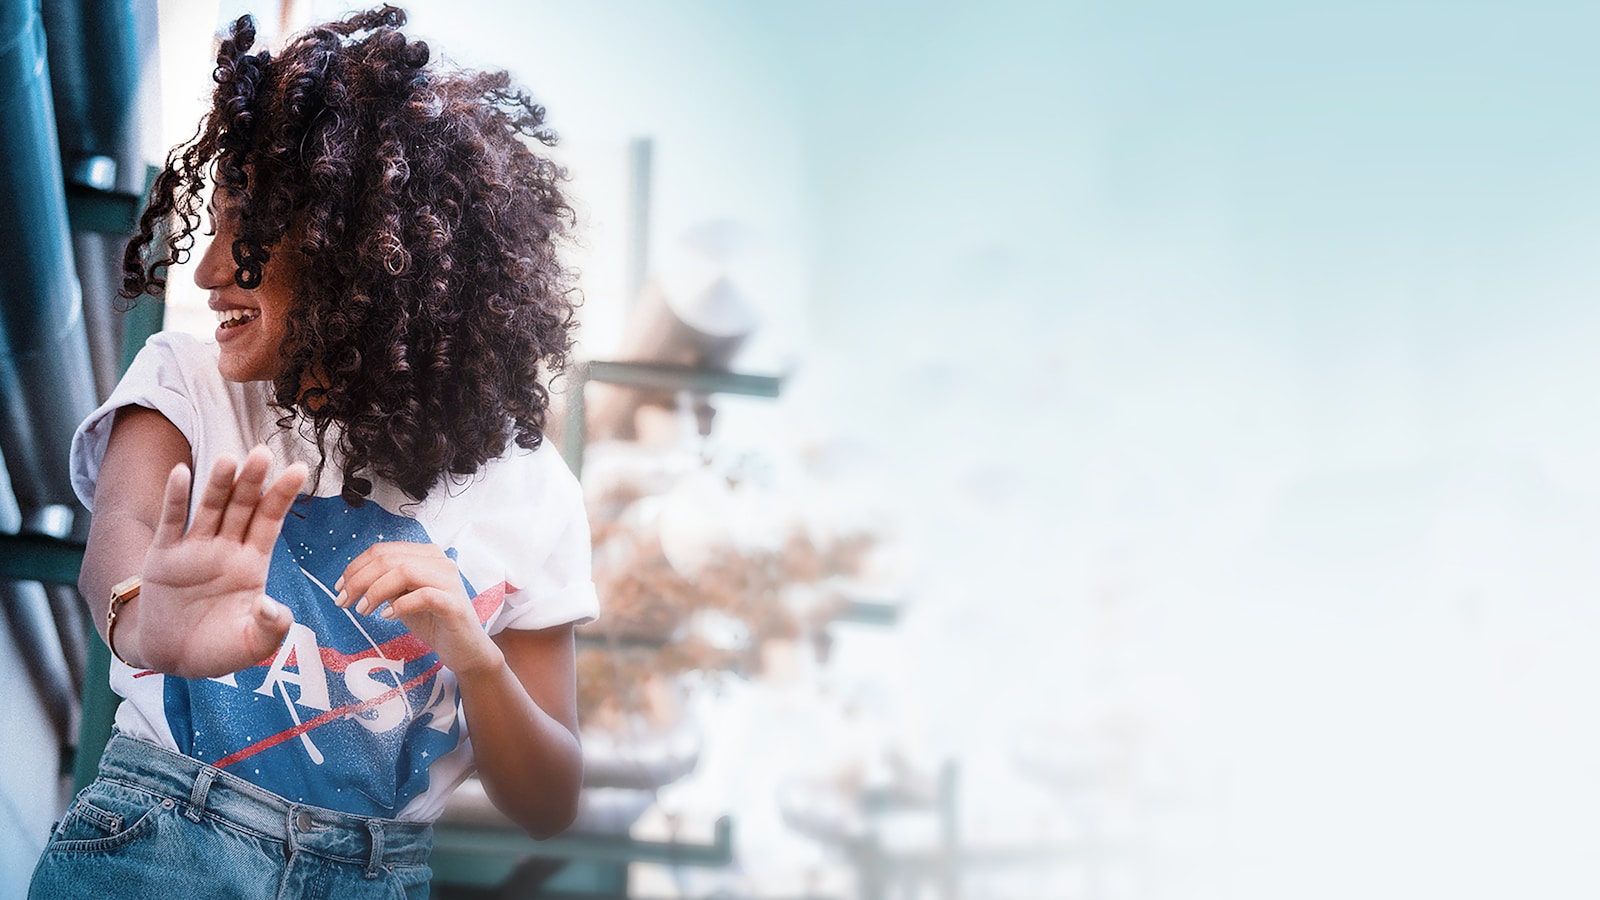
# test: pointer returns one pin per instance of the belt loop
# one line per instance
(197, 797)
(375, 828)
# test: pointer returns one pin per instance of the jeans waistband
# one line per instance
(201, 790)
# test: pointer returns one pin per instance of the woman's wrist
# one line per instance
(490, 662)
(122, 594)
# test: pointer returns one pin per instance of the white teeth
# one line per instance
(228, 318)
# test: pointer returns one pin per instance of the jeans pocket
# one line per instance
(106, 817)
(410, 882)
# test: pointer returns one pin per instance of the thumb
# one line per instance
(272, 623)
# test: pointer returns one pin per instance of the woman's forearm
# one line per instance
(529, 758)
(143, 447)
(115, 550)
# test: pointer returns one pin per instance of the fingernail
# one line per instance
(342, 599)
(338, 585)
(387, 612)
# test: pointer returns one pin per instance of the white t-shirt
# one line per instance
(353, 712)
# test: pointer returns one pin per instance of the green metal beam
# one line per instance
(106, 212)
(486, 856)
(35, 557)
(473, 840)
(99, 712)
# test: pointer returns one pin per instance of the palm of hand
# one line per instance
(203, 608)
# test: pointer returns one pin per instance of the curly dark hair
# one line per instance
(432, 298)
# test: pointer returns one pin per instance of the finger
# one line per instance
(274, 505)
(427, 599)
(214, 497)
(358, 576)
(373, 562)
(421, 600)
(388, 584)
(410, 576)
(174, 507)
(265, 631)
(424, 599)
(246, 494)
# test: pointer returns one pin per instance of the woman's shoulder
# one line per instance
(173, 359)
(510, 486)
(541, 470)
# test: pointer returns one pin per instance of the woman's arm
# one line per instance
(144, 447)
(203, 610)
(524, 720)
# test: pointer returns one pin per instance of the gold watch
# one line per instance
(121, 592)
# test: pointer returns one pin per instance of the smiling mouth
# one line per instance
(233, 318)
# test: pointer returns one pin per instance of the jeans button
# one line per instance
(302, 821)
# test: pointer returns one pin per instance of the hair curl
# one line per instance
(432, 296)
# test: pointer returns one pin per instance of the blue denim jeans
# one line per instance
(157, 825)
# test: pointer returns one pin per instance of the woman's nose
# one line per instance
(216, 266)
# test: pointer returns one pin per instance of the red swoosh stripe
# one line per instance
(349, 708)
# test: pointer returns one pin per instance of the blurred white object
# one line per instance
(691, 314)
(695, 520)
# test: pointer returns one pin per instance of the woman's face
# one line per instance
(252, 324)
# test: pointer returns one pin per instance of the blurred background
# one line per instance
(1080, 449)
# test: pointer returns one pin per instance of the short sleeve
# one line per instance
(559, 589)
(156, 380)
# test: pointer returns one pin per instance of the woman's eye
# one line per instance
(220, 217)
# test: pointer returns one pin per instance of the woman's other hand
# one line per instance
(423, 588)
(203, 607)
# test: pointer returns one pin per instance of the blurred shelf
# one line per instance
(682, 378)
(871, 612)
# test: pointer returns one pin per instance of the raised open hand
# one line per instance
(203, 608)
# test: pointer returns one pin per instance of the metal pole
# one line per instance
(639, 170)
(45, 384)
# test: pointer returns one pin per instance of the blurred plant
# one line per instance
(659, 623)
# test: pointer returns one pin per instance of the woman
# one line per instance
(381, 554)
